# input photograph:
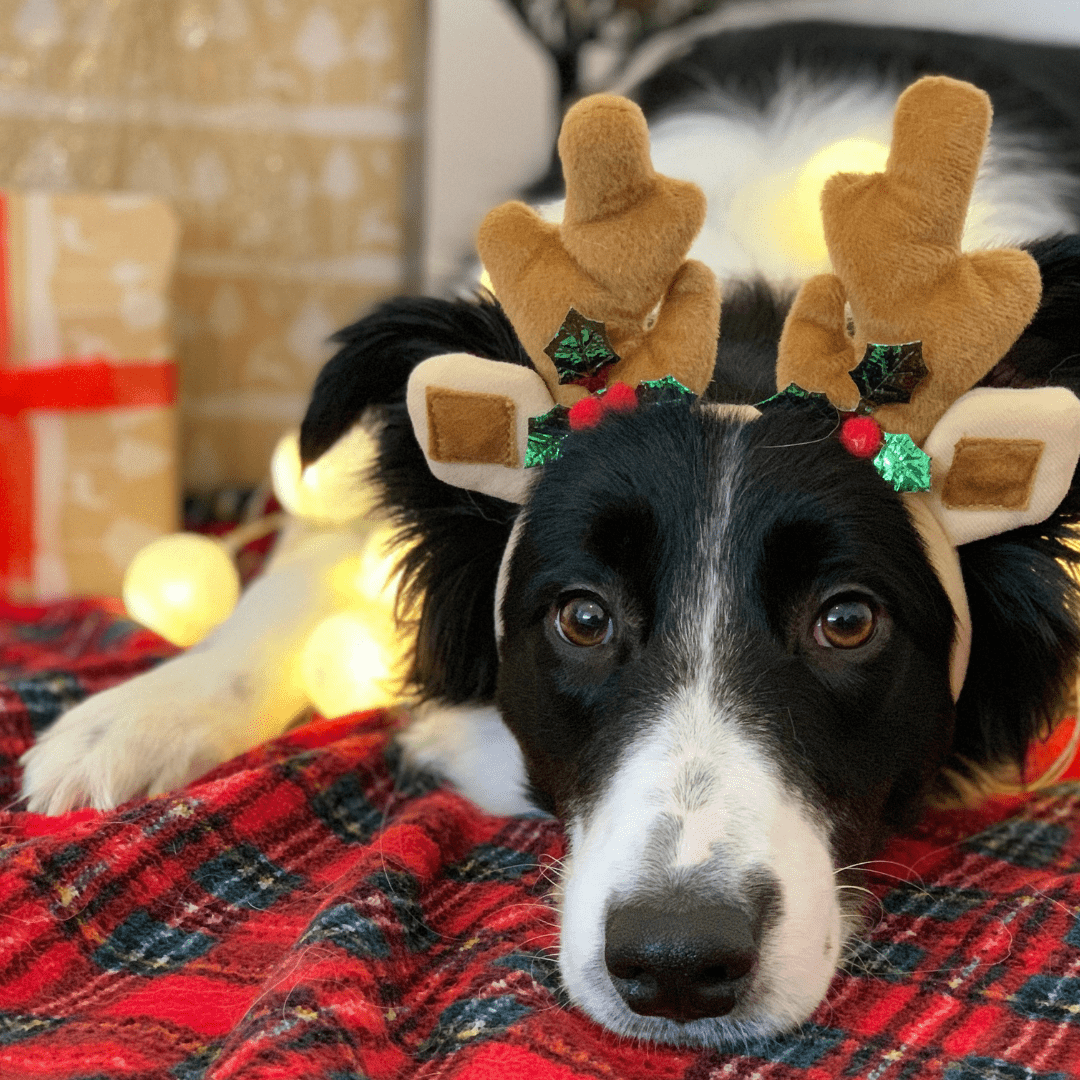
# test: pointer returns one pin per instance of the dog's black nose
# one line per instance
(681, 964)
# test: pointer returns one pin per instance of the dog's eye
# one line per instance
(845, 624)
(584, 622)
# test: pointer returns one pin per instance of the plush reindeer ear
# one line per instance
(471, 418)
(1002, 459)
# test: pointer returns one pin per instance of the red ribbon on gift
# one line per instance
(85, 384)
(67, 385)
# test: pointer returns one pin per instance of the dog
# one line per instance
(720, 649)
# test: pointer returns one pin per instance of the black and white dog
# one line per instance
(717, 650)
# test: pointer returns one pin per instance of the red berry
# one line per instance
(861, 436)
(592, 383)
(621, 397)
(585, 413)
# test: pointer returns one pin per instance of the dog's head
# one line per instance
(726, 660)
(733, 657)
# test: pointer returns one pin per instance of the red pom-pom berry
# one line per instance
(861, 436)
(585, 413)
(621, 397)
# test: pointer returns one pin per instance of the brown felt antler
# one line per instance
(619, 252)
(894, 242)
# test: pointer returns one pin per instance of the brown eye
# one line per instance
(846, 624)
(584, 622)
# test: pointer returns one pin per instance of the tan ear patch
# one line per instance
(471, 428)
(992, 474)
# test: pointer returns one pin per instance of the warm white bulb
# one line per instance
(333, 489)
(181, 587)
(346, 663)
(777, 217)
(798, 215)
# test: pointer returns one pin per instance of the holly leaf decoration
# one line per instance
(546, 434)
(580, 349)
(889, 374)
(663, 391)
(794, 395)
(903, 464)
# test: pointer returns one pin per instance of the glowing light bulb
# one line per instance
(847, 155)
(345, 664)
(778, 217)
(331, 489)
(181, 587)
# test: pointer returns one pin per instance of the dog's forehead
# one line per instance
(675, 486)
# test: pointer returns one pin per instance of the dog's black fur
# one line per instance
(1024, 602)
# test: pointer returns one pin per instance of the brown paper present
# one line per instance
(281, 131)
(88, 470)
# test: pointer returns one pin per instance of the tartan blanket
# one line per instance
(308, 910)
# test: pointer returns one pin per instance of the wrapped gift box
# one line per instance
(283, 132)
(88, 468)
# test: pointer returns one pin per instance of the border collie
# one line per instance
(717, 650)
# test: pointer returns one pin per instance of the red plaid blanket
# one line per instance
(310, 911)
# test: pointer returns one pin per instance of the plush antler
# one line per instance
(619, 252)
(894, 241)
(606, 297)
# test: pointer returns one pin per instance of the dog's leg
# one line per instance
(227, 694)
(470, 746)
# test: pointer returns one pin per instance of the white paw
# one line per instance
(470, 746)
(143, 737)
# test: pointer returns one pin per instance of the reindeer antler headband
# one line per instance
(928, 322)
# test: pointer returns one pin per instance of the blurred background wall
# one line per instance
(285, 135)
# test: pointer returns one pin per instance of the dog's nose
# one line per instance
(681, 964)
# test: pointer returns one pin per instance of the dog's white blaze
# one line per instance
(747, 820)
(700, 796)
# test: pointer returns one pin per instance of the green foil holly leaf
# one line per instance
(663, 391)
(580, 348)
(546, 433)
(793, 395)
(903, 464)
(889, 374)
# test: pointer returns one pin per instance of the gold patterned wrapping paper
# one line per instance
(283, 133)
(88, 471)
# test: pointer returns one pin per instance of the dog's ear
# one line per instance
(378, 353)
(452, 539)
(1022, 584)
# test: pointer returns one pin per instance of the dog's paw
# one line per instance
(470, 746)
(147, 736)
